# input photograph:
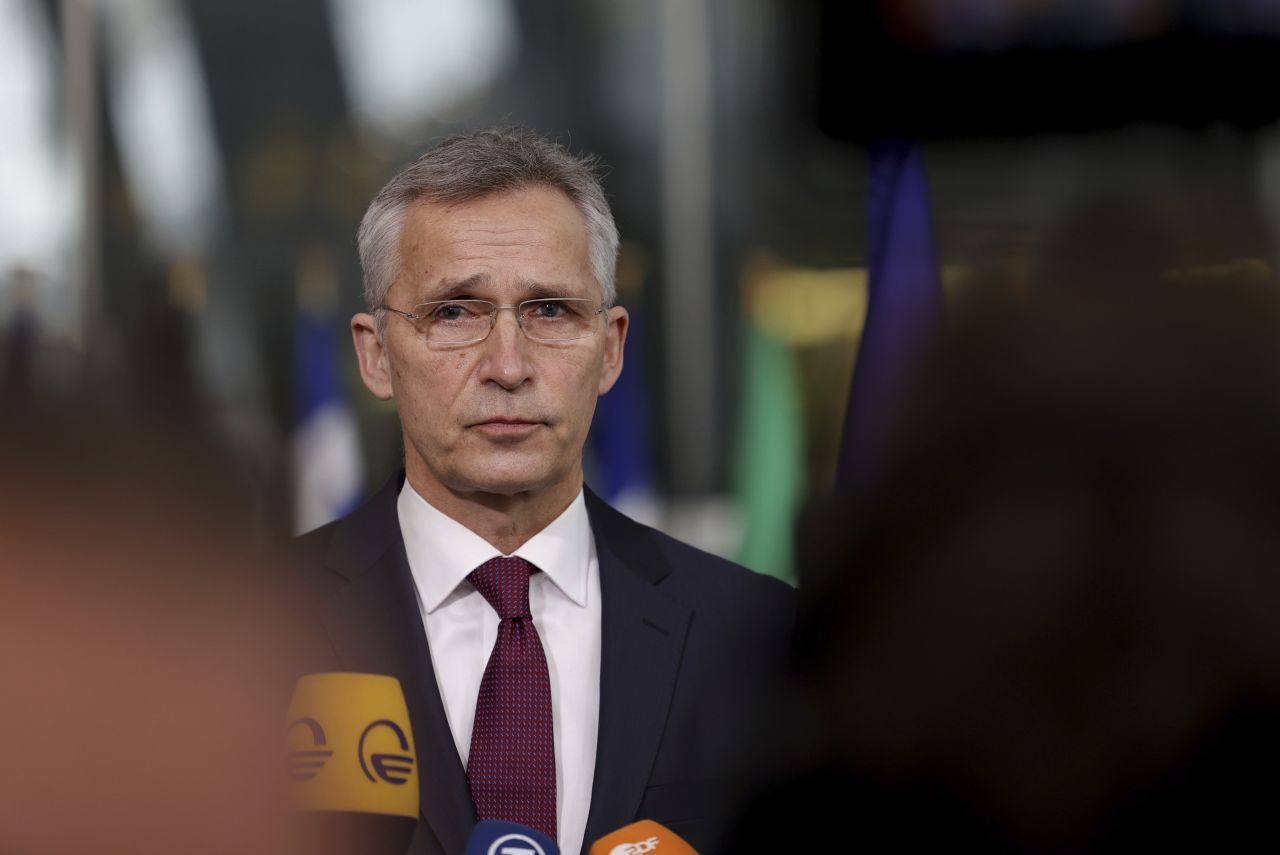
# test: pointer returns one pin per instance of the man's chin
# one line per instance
(501, 487)
(496, 469)
(506, 480)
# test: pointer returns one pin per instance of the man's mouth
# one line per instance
(512, 428)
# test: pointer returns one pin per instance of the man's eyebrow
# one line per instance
(454, 289)
(533, 290)
(466, 288)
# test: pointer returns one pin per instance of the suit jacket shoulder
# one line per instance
(692, 647)
(712, 585)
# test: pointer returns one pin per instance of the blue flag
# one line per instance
(904, 303)
(328, 470)
(623, 470)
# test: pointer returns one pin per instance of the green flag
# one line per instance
(769, 460)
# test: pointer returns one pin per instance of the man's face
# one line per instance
(506, 415)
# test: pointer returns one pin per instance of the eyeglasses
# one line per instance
(550, 319)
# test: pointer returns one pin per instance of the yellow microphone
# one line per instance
(352, 761)
(645, 837)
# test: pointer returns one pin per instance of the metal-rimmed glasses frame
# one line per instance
(549, 320)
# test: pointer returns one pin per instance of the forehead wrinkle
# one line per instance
(485, 225)
(489, 235)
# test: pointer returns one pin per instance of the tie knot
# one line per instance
(504, 583)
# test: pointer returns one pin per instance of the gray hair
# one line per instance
(468, 166)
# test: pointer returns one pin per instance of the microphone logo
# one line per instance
(639, 848)
(366, 724)
(392, 768)
(515, 844)
(304, 763)
(642, 838)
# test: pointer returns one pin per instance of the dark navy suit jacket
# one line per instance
(690, 644)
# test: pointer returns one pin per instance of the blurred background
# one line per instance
(181, 181)
(1000, 273)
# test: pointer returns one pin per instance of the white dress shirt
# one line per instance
(462, 628)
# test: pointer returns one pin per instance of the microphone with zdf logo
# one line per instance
(352, 763)
(496, 837)
(645, 837)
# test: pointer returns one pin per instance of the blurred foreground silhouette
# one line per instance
(144, 648)
(1053, 626)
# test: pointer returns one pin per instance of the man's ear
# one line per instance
(375, 370)
(614, 343)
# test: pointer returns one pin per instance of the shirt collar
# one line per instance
(442, 551)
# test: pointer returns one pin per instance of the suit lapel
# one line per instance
(642, 641)
(375, 626)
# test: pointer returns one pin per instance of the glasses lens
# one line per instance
(558, 319)
(454, 321)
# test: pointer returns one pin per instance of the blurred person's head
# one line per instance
(143, 644)
(494, 404)
(1054, 623)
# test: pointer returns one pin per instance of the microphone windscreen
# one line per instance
(645, 837)
(351, 746)
(496, 837)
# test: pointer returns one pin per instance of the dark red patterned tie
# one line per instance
(512, 766)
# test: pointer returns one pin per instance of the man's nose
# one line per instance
(506, 352)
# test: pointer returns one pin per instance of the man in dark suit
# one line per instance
(564, 666)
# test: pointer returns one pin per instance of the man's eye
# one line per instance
(549, 309)
(450, 312)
